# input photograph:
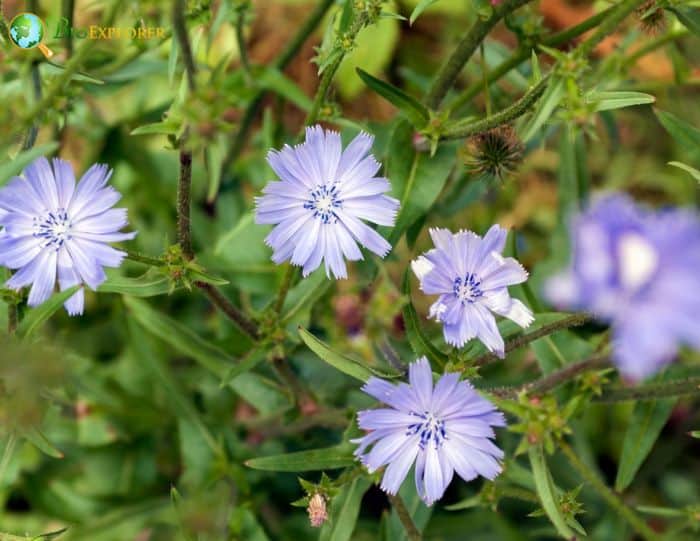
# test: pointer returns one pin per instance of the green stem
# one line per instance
(612, 499)
(361, 20)
(289, 274)
(412, 531)
(653, 45)
(232, 312)
(485, 78)
(240, 39)
(145, 259)
(183, 40)
(7, 454)
(462, 129)
(524, 53)
(553, 380)
(574, 320)
(652, 391)
(239, 141)
(607, 26)
(67, 9)
(451, 69)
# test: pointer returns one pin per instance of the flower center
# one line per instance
(429, 427)
(54, 228)
(638, 260)
(324, 200)
(467, 289)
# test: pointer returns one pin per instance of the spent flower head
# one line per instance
(471, 278)
(638, 270)
(54, 230)
(321, 200)
(496, 152)
(443, 429)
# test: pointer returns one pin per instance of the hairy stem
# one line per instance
(574, 320)
(361, 20)
(412, 531)
(448, 73)
(184, 186)
(145, 259)
(461, 129)
(238, 142)
(523, 54)
(652, 391)
(612, 499)
(183, 40)
(232, 312)
(554, 379)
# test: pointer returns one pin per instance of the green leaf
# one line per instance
(646, 422)
(419, 9)
(178, 400)
(416, 178)
(339, 456)
(681, 131)
(23, 159)
(420, 343)
(150, 284)
(347, 365)
(180, 337)
(572, 176)
(168, 127)
(688, 16)
(417, 113)
(270, 78)
(38, 440)
(556, 90)
(36, 317)
(344, 511)
(547, 492)
(694, 172)
(617, 99)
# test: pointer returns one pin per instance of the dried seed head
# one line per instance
(318, 512)
(652, 19)
(496, 152)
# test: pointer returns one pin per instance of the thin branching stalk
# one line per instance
(608, 26)
(612, 499)
(399, 506)
(524, 54)
(654, 44)
(219, 300)
(555, 379)
(242, 46)
(361, 20)
(143, 258)
(238, 142)
(302, 396)
(652, 391)
(449, 72)
(574, 320)
(67, 9)
(460, 130)
(289, 274)
(184, 185)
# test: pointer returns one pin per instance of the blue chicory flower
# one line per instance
(443, 429)
(318, 205)
(54, 230)
(638, 270)
(472, 279)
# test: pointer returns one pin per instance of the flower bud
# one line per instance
(318, 512)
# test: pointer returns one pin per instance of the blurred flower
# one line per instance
(55, 229)
(652, 18)
(496, 152)
(318, 206)
(443, 429)
(318, 512)
(638, 270)
(472, 279)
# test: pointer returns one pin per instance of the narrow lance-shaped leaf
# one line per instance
(546, 492)
(684, 133)
(617, 99)
(36, 317)
(416, 112)
(556, 90)
(646, 422)
(339, 456)
(688, 16)
(420, 343)
(345, 509)
(687, 168)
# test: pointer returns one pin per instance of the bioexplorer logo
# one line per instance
(27, 31)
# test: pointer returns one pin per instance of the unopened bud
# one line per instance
(318, 512)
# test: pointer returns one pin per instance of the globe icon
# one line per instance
(26, 30)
